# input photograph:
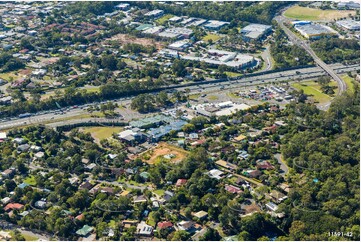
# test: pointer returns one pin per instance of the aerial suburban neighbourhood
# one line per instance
(179, 121)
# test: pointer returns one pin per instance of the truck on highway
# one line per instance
(24, 115)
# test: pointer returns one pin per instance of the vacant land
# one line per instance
(157, 154)
(313, 89)
(99, 133)
(164, 19)
(212, 37)
(313, 14)
(126, 39)
(232, 74)
(349, 80)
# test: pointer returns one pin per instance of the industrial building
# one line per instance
(169, 53)
(123, 6)
(155, 13)
(215, 24)
(220, 57)
(315, 31)
(348, 5)
(255, 31)
(180, 45)
(349, 24)
(153, 30)
(177, 33)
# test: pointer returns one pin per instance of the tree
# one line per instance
(180, 235)
(211, 235)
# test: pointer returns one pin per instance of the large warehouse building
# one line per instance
(349, 24)
(221, 57)
(315, 31)
(255, 31)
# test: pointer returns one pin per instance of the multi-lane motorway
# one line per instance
(208, 87)
(297, 41)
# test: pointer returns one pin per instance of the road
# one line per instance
(299, 42)
(49, 117)
(41, 236)
(283, 167)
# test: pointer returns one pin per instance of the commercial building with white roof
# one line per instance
(315, 31)
(255, 31)
(349, 24)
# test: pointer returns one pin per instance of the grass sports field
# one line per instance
(100, 133)
(313, 14)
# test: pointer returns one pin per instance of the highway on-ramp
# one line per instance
(299, 42)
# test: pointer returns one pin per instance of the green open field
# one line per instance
(212, 37)
(313, 14)
(349, 80)
(212, 97)
(102, 132)
(232, 74)
(164, 19)
(313, 89)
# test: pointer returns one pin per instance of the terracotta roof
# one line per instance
(163, 225)
(181, 182)
(12, 206)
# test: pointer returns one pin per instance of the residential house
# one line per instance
(201, 215)
(271, 206)
(165, 225)
(185, 225)
(40, 204)
(84, 231)
(129, 223)
(144, 229)
(8, 173)
(226, 165)
(181, 182)
(232, 189)
(276, 196)
(168, 195)
(13, 206)
(264, 165)
(215, 173)
(140, 199)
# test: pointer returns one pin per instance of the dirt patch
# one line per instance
(157, 154)
(125, 39)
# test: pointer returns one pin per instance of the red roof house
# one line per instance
(181, 182)
(232, 189)
(164, 225)
(13, 206)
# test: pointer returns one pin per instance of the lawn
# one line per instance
(232, 95)
(312, 88)
(30, 238)
(150, 220)
(164, 19)
(313, 14)
(349, 80)
(30, 180)
(212, 97)
(212, 37)
(232, 74)
(102, 132)
(159, 192)
(194, 96)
